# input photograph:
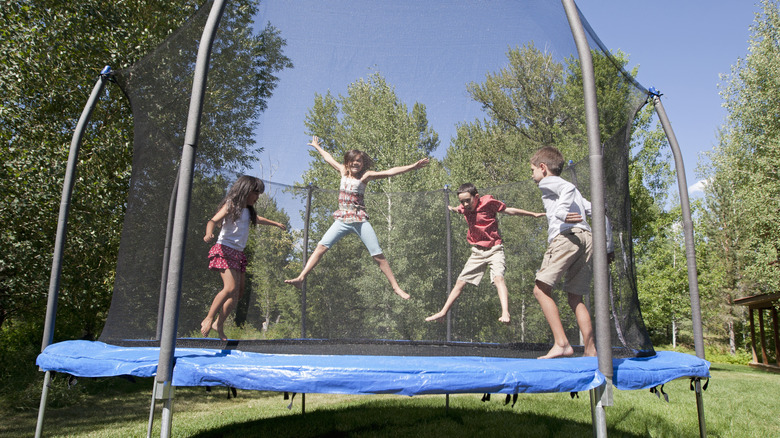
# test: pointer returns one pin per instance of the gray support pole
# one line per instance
(600, 266)
(62, 229)
(690, 250)
(448, 222)
(166, 259)
(163, 389)
(687, 222)
(306, 225)
(67, 193)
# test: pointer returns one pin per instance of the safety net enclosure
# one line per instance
(477, 86)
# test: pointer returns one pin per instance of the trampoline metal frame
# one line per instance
(163, 390)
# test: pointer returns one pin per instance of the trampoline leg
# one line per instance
(151, 416)
(303, 404)
(42, 407)
(700, 408)
(164, 391)
(599, 398)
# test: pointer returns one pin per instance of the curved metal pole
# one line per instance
(690, 250)
(687, 222)
(163, 387)
(62, 229)
(166, 258)
(601, 396)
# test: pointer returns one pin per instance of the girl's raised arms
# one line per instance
(315, 143)
(393, 171)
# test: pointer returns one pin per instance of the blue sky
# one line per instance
(681, 48)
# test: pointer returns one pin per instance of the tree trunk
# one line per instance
(522, 320)
(732, 338)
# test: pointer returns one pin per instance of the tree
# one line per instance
(743, 183)
(348, 295)
(53, 51)
(270, 250)
(537, 101)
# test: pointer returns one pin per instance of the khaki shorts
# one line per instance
(478, 262)
(569, 253)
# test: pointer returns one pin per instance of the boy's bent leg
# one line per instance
(503, 298)
(561, 347)
(583, 321)
(454, 294)
(384, 266)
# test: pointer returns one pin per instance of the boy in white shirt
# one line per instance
(568, 252)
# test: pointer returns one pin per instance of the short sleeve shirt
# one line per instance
(483, 225)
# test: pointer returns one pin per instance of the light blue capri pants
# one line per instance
(364, 230)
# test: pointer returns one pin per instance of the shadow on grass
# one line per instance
(377, 419)
(113, 405)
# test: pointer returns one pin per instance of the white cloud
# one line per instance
(698, 186)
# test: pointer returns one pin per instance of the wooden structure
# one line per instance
(758, 304)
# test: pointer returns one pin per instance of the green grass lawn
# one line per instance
(739, 402)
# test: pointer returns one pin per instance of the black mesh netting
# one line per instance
(346, 298)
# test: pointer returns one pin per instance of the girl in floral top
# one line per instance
(351, 217)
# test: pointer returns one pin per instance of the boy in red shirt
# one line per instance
(487, 250)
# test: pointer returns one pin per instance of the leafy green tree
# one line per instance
(52, 53)
(743, 183)
(537, 101)
(269, 250)
(524, 111)
(349, 296)
(663, 280)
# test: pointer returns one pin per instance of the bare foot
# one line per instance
(205, 326)
(557, 351)
(589, 352)
(401, 293)
(436, 317)
(504, 318)
(219, 327)
(297, 282)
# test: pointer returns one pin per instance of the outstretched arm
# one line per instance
(315, 143)
(518, 212)
(371, 175)
(263, 221)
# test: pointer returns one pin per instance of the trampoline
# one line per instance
(370, 373)
(343, 332)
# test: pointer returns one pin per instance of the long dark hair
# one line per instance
(238, 194)
(350, 156)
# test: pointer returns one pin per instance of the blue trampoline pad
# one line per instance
(351, 374)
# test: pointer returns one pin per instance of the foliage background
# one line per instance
(48, 46)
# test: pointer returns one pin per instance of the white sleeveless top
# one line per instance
(234, 234)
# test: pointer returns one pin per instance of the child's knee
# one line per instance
(379, 258)
(574, 300)
(542, 289)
